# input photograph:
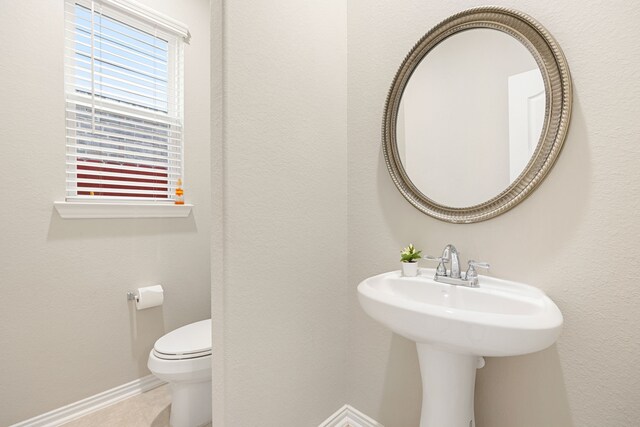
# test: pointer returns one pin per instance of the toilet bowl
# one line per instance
(183, 359)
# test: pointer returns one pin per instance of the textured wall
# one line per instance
(217, 211)
(66, 330)
(285, 153)
(575, 237)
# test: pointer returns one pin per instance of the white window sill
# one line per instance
(76, 210)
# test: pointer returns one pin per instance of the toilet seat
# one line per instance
(181, 356)
(188, 342)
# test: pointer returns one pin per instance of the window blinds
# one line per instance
(124, 121)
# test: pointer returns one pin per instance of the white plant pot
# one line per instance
(409, 269)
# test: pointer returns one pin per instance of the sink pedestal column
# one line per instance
(448, 382)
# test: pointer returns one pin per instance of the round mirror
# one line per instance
(477, 114)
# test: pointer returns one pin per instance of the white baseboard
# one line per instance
(91, 404)
(348, 416)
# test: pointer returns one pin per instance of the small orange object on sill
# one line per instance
(179, 193)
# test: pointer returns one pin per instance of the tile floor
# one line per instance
(150, 409)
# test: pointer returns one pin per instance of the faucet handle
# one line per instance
(479, 264)
(472, 274)
(441, 270)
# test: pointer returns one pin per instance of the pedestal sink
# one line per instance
(454, 326)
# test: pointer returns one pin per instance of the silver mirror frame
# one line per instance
(557, 82)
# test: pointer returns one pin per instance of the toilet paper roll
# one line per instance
(151, 296)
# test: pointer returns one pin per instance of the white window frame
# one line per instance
(145, 19)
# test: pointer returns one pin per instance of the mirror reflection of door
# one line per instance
(526, 116)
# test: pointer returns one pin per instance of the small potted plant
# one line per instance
(409, 258)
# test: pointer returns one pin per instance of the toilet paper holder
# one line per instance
(147, 297)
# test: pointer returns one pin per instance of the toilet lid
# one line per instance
(187, 342)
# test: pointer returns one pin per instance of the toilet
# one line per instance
(183, 359)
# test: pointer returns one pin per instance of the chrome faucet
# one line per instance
(453, 276)
(450, 253)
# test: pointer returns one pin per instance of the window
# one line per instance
(124, 103)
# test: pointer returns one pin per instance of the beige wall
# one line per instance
(285, 154)
(575, 237)
(217, 211)
(66, 330)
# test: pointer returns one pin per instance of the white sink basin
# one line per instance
(453, 325)
(499, 318)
